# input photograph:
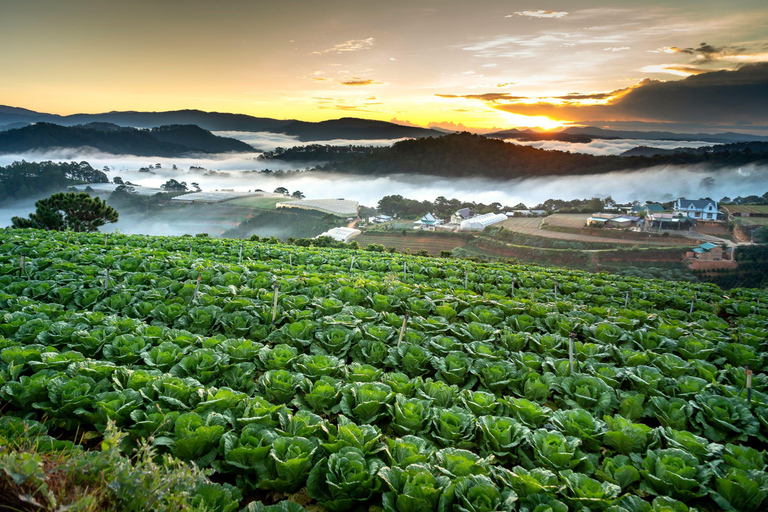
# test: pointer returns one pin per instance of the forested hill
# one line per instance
(24, 179)
(465, 154)
(169, 141)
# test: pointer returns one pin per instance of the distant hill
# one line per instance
(345, 128)
(530, 135)
(586, 134)
(600, 133)
(13, 126)
(354, 129)
(748, 148)
(175, 140)
(647, 151)
(467, 155)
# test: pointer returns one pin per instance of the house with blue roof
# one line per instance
(708, 252)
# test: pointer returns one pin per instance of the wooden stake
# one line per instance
(106, 280)
(466, 277)
(692, 301)
(626, 301)
(352, 263)
(570, 349)
(402, 329)
(748, 373)
(274, 304)
(555, 290)
(240, 255)
(197, 289)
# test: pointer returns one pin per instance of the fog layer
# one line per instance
(231, 171)
(608, 146)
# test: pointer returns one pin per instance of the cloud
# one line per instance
(718, 97)
(355, 81)
(616, 49)
(675, 69)
(353, 45)
(358, 105)
(707, 53)
(539, 14)
(489, 96)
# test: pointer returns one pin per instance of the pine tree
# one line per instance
(68, 211)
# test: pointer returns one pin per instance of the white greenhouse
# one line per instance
(480, 222)
(340, 234)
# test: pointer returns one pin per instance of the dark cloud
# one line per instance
(719, 97)
(706, 52)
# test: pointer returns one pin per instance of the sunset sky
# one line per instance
(452, 63)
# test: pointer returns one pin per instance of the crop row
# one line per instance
(372, 378)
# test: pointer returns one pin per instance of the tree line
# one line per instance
(468, 155)
(24, 179)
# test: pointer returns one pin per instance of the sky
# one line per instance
(455, 64)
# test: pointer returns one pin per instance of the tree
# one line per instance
(68, 211)
(174, 186)
(117, 180)
(281, 190)
(197, 186)
(298, 194)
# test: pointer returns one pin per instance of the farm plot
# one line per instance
(374, 381)
(534, 226)
(432, 244)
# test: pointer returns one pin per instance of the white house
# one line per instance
(703, 209)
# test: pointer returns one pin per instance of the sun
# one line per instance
(531, 121)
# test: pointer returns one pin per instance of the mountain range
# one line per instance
(168, 141)
(589, 133)
(344, 128)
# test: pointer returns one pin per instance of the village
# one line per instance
(706, 234)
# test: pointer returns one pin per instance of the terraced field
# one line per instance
(432, 244)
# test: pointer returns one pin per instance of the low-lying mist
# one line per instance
(602, 147)
(663, 183)
(267, 141)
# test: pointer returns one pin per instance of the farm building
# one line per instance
(427, 222)
(461, 215)
(480, 222)
(623, 222)
(380, 219)
(596, 222)
(340, 234)
(708, 252)
(338, 207)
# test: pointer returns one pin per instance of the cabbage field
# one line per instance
(369, 381)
